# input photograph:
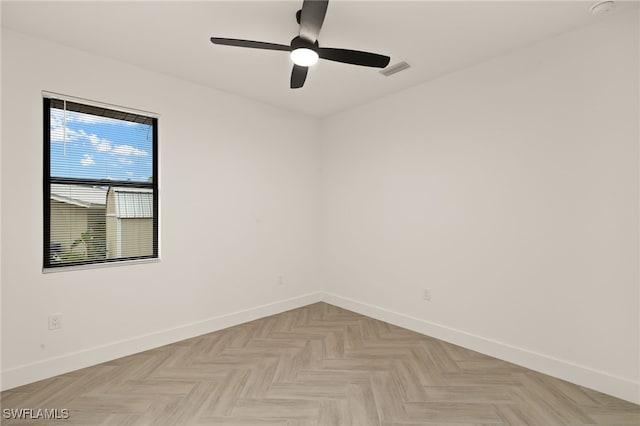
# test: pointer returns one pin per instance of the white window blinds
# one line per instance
(100, 184)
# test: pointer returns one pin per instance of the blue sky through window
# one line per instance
(87, 146)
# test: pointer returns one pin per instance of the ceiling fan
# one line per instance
(304, 49)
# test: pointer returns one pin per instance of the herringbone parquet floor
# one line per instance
(317, 365)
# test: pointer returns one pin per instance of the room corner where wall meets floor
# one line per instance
(318, 365)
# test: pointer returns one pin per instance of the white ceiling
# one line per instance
(172, 37)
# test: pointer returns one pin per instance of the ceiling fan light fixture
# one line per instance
(304, 56)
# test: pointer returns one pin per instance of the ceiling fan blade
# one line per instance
(298, 76)
(249, 43)
(355, 57)
(311, 18)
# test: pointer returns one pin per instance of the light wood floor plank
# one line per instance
(361, 405)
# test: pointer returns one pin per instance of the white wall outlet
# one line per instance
(55, 321)
(426, 294)
(280, 281)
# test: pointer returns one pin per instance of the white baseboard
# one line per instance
(51, 367)
(619, 387)
(599, 380)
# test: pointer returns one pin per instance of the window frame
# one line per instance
(48, 180)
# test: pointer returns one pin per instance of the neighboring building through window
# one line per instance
(100, 184)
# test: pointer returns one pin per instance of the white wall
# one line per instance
(511, 190)
(239, 208)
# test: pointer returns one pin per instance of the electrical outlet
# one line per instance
(280, 281)
(426, 294)
(55, 321)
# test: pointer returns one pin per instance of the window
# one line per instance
(100, 184)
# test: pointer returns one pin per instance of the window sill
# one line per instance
(98, 265)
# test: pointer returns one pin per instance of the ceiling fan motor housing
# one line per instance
(300, 43)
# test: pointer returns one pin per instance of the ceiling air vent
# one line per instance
(400, 66)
